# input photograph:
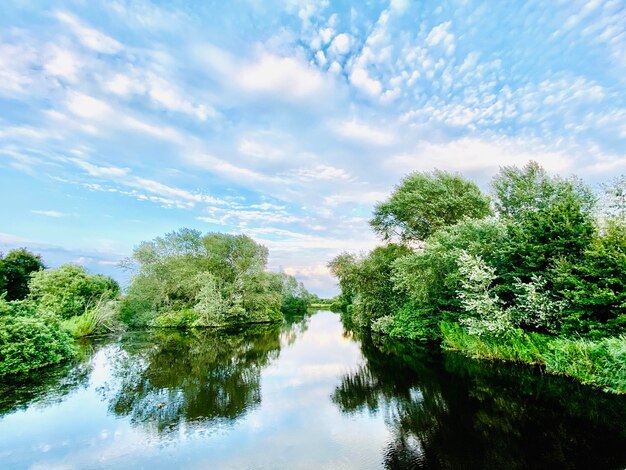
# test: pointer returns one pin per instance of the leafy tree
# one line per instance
(615, 198)
(15, 271)
(548, 219)
(594, 286)
(486, 315)
(69, 290)
(430, 277)
(186, 278)
(425, 202)
(369, 281)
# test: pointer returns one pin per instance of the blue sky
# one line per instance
(286, 120)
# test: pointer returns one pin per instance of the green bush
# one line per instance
(69, 290)
(16, 268)
(31, 341)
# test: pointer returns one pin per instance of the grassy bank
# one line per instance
(599, 363)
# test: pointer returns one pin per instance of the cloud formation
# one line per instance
(124, 120)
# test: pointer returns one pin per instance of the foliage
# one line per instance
(425, 202)
(69, 290)
(548, 219)
(615, 198)
(515, 346)
(534, 307)
(189, 279)
(102, 318)
(594, 287)
(486, 316)
(430, 278)
(599, 363)
(30, 338)
(296, 299)
(15, 270)
(368, 282)
(547, 263)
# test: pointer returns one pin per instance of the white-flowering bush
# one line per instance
(486, 314)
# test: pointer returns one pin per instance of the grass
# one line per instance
(599, 363)
(102, 318)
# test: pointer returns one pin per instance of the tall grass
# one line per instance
(102, 318)
(599, 363)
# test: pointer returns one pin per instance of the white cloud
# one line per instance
(257, 149)
(341, 44)
(441, 35)
(322, 172)
(355, 197)
(281, 77)
(89, 37)
(62, 63)
(476, 155)
(361, 132)
(360, 78)
(86, 106)
(49, 213)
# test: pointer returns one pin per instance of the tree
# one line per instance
(186, 278)
(548, 219)
(368, 281)
(69, 290)
(425, 202)
(18, 265)
(615, 198)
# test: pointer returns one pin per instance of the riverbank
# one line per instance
(600, 363)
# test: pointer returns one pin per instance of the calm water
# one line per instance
(307, 394)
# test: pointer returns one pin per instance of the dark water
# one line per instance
(307, 394)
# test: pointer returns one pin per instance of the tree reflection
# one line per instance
(452, 412)
(166, 379)
(51, 384)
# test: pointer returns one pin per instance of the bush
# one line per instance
(31, 341)
(15, 270)
(69, 290)
(102, 318)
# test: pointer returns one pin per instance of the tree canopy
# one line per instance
(186, 279)
(15, 270)
(425, 202)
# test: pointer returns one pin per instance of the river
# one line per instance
(304, 394)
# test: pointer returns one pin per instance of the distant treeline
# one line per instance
(533, 272)
(182, 280)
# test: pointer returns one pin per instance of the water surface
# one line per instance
(305, 394)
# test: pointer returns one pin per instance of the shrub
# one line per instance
(29, 342)
(69, 290)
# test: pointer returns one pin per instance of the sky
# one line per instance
(286, 120)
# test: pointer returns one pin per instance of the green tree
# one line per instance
(425, 202)
(186, 278)
(18, 265)
(369, 282)
(594, 286)
(548, 219)
(69, 290)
